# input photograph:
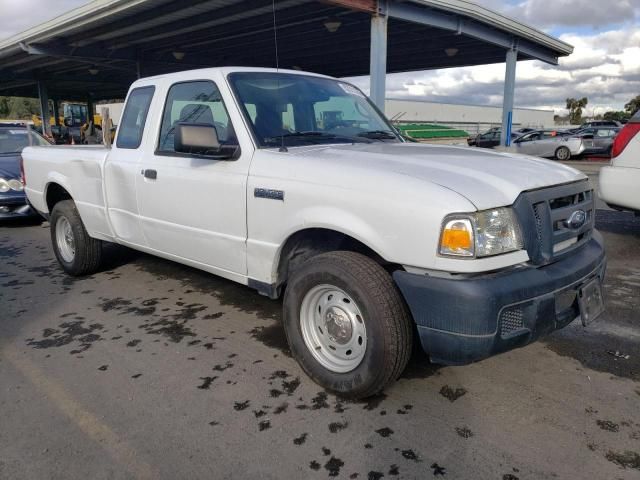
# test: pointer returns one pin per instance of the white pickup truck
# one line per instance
(294, 183)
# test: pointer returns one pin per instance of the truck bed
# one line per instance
(79, 170)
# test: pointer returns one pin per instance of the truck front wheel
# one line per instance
(76, 251)
(347, 324)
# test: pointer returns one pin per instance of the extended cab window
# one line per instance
(134, 117)
(194, 102)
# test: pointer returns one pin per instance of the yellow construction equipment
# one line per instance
(74, 115)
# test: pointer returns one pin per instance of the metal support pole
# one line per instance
(44, 108)
(378, 55)
(89, 109)
(56, 113)
(509, 93)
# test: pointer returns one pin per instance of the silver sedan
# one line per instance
(548, 144)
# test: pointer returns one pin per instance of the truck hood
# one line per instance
(486, 178)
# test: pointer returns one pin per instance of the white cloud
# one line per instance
(593, 13)
(567, 13)
(20, 15)
(605, 68)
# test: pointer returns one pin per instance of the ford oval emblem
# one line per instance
(576, 220)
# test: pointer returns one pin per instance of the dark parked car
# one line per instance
(596, 124)
(601, 123)
(13, 201)
(491, 138)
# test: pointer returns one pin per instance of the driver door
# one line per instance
(193, 207)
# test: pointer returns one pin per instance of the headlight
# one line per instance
(480, 234)
(15, 185)
(4, 186)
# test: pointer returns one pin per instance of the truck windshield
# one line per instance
(294, 110)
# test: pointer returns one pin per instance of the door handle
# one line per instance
(150, 174)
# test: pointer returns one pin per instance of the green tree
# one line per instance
(633, 106)
(21, 108)
(575, 107)
(616, 116)
(4, 107)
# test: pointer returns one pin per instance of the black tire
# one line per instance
(88, 251)
(386, 318)
(563, 154)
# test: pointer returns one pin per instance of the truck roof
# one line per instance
(206, 72)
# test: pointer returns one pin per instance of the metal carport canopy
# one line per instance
(97, 50)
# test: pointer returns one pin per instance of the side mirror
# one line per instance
(588, 137)
(67, 122)
(196, 138)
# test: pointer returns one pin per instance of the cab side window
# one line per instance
(197, 102)
(134, 117)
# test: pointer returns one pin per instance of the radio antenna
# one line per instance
(275, 41)
(275, 32)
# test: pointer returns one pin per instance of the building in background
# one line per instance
(472, 118)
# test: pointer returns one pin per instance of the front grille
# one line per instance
(545, 216)
(511, 320)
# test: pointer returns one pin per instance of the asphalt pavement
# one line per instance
(153, 370)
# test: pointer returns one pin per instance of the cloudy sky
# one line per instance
(605, 66)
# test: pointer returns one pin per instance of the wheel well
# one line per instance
(55, 194)
(308, 243)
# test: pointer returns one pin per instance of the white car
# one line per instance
(619, 182)
(295, 184)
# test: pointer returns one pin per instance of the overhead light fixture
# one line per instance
(332, 24)
(93, 70)
(178, 55)
(451, 52)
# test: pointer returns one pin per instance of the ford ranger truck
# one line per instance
(296, 185)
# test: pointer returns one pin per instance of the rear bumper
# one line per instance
(15, 206)
(618, 187)
(462, 321)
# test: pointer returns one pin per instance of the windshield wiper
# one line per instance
(311, 135)
(379, 135)
(302, 134)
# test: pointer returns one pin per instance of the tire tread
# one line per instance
(394, 314)
(88, 255)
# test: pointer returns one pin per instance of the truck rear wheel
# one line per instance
(347, 324)
(76, 251)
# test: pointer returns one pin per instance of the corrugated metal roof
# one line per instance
(120, 36)
(486, 15)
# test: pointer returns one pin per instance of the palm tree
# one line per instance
(633, 106)
(575, 109)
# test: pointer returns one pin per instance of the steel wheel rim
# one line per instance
(333, 328)
(64, 239)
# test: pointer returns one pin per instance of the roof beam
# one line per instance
(89, 36)
(458, 24)
(78, 53)
(214, 18)
(368, 6)
(240, 29)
